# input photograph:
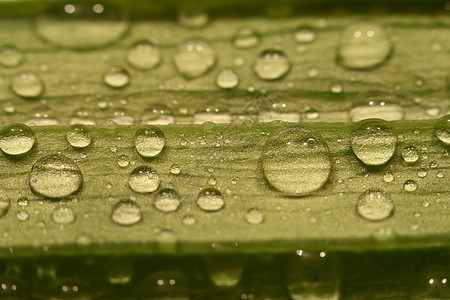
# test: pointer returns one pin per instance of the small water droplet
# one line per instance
(271, 65)
(375, 205)
(245, 38)
(410, 154)
(212, 114)
(296, 161)
(410, 186)
(149, 141)
(175, 169)
(422, 173)
(123, 161)
(157, 114)
(440, 174)
(388, 177)
(144, 180)
(63, 215)
(336, 87)
(5, 204)
(189, 220)
(373, 141)
(55, 176)
(224, 270)
(376, 104)
(22, 215)
(442, 129)
(27, 85)
(363, 45)
(227, 79)
(167, 200)
(210, 200)
(17, 139)
(23, 201)
(10, 57)
(193, 19)
(126, 213)
(116, 77)
(194, 58)
(304, 34)
(144, 56)
(254, 216)
(79, 136)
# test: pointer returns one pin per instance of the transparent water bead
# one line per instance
(149, 141)
(144, 180)
(79, 136)
(167, 200)
(194, 58)
(363, 45)
(193, 19)
(296, 161)
(27, 85)
(143, 55)
(63, 215)
(55, 176)
(157, 114)
(373, 141)
(375, 205)
(442, 129)
(116, 77)
(304, 34)
(410, 185)
(227, 79)
(246, 38)
(210, 199)
(254, 216)
(271, 65)
(11, 57)
(410, 154)
(81, 24)
(126, 213)
(376, 104)
(17, 139)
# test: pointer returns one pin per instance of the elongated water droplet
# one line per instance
(194, 58)
(376, 104)
(10, 57)
(442, 129)
(5, 204)
(79, 136)
(212, 114)
(304, 34)
(149, 141)
(410, 154)
(271, 65)
(363, 45)
(375, 205)
(254, 216)
(144, 180)
(116, 77)
(63, 215)
(410, 186)
(373, 141)
(227, 79)
(126, 213)
(144, 56)
(167, 200)
(210, 200)
(157, 114)
(193, 19)
(296, 161)
(245, 38)
(17, 139)
(27, 85)
(81, 25)
(55, 176)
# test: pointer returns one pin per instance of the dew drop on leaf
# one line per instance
(17, 139)
(271, 65)
(210, 199)
(194, 58)
(144, 180)
(27, 85)
(149, 141)
(126, 213)
(375, 205)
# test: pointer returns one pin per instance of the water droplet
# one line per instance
(123, 161)
(440, 174)
(254, 216)
(363, 45)
(116, 77)
(5, 204)
(10, 57)
(296, 161)
(27, 85)
(22, 215)
(157, 114)
(126, 213)
(189, 220)
(227, 79)
(375, 104)
(210, 200)
(175, 169)
(442, 129)
(410, 154)
(55, 176)
(167, 200)
(212, 114)
(194, 58)
(63, 215)
(388, 177)
(304, 34)
(373, 141)
(78, 136)
(271, 65)
(82, 25)
(168, 284)
(422, 173)
(144, 180)
(16, 139)
(410, 186)
(245, 38)
(224, 270)
(144, 56)
(23, 201)
(375, 205)
(193, 19)
(336, 87)
(149, 141)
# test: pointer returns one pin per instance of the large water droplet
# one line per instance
(16, 139)
(82, 25)
(79, 136)
(296, 161)
(227, 79)
(55, 176)
(27, 85)
(116, 77)
(126, 213)
(363, 45)
(271, 65)
(194, 58)
(144, 56)
(143, 180)
(167, 200)
(373, 141)
(63, 215)
(245, 38)
(375, 205)
(10, 57)
(375, 104)
(149, 141)
(442, 129)
(210, 200)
